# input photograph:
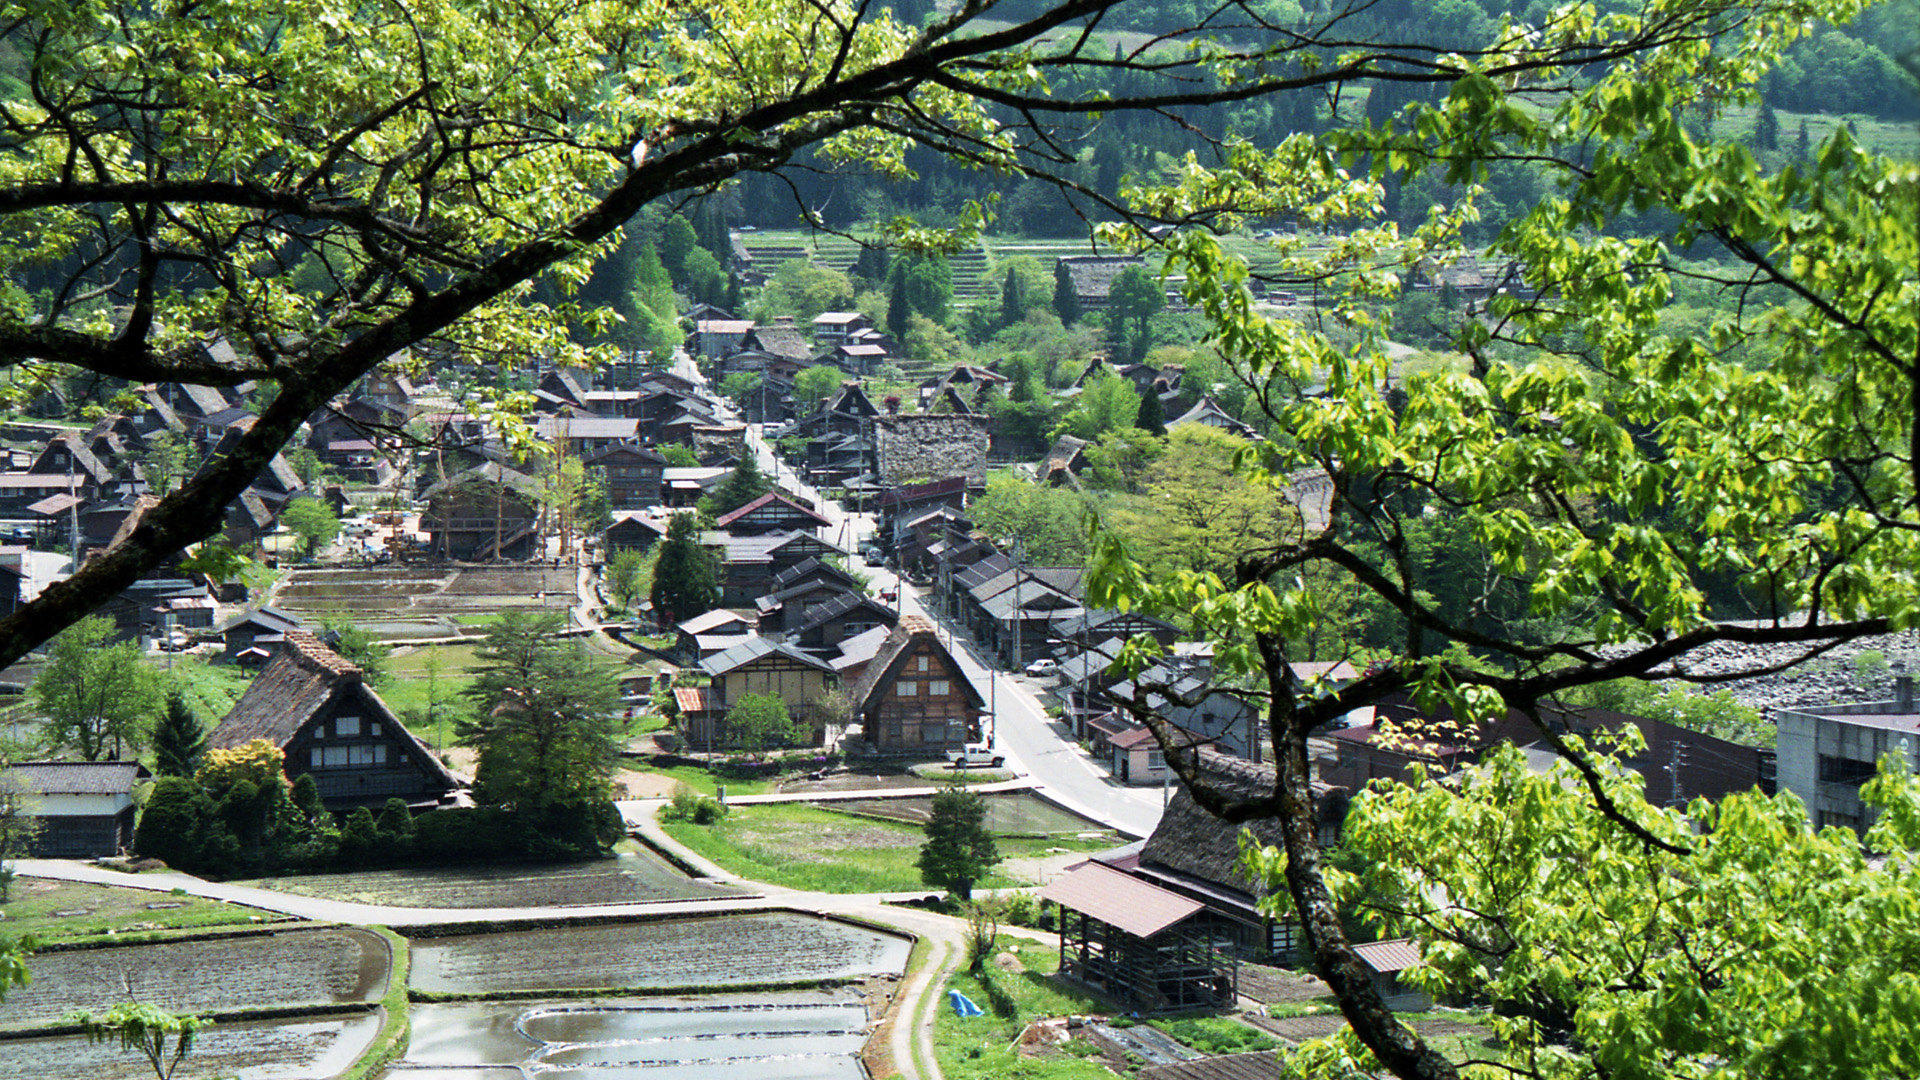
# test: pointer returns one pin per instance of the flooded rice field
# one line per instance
(307, 1049)
(283, 968)
(1008, 814)
(632, 877)
(758, 949)
(797, 1035)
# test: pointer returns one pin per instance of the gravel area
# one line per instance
(1835, 677)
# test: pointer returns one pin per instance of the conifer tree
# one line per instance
(179, 740)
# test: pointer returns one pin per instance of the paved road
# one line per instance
(1039, 746)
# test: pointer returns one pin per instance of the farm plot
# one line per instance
(631, 878)
(414, 602)
(292, 967)
(793, 1035)
(308, 1049)
(772, 948)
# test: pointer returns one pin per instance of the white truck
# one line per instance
(975, 756)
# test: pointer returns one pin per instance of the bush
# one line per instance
(708, 811)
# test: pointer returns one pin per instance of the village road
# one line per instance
(1035, 743)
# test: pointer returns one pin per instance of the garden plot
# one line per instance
(638, 877)
(758, 949)
(307, 1049)
(292, 967)
(812, 1035)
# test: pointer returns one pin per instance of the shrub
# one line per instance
(708, 811)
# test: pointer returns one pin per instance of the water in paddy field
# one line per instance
(797, 1035)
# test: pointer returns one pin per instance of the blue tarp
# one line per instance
(962, 1005)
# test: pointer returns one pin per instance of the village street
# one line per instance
(1034, 743)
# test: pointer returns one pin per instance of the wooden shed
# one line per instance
(1145, 946)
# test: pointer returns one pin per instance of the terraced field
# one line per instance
(283, 968)
(777, 947)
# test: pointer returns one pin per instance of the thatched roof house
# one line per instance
(316, 706)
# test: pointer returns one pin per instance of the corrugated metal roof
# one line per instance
(1387, 957)
(690, 699)
(1120, 899)
(1258, 1065)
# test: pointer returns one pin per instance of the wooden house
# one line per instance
(758, 666)
(85, 808)
(772, 512)
(489, 511)
(913, 696)
(821, 627)
(634, 476)
(750, 563)
(834, 327)
(262, 627)
(632, 530)
(318, 709)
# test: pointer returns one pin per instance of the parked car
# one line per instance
(1043, 666)
(975, 756)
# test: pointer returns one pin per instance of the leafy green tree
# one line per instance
(178, 824)
(20, 825)
(546, 728)
(313, 524)
(97, 699)
(1050, 523)
(678, 455)
(804, 289)
(959, 850)
(686, 578)
(1135, 294)
(179, 739)
(1766, 128)
(814, 385)
(1612, 480)
(760, 722)
(1634, 965)
(1107, 402)
(706, 280)
(357, 646)
(629, 576)
(899, 303)
(678, 242)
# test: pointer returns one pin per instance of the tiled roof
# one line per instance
(74, 777)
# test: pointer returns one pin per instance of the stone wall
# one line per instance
(930, 446)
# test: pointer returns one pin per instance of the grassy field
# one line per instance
(807, 847)
(60, 911)
(981, 1047)
(699, 780)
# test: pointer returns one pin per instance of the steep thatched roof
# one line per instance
(881, 671)
(1191, 842)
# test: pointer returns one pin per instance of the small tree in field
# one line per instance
(959, 850)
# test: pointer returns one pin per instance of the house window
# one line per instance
(345, 726)
(334, 755)
(906, 688)
(923, 663)
(1156, 761)
(938, 688)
